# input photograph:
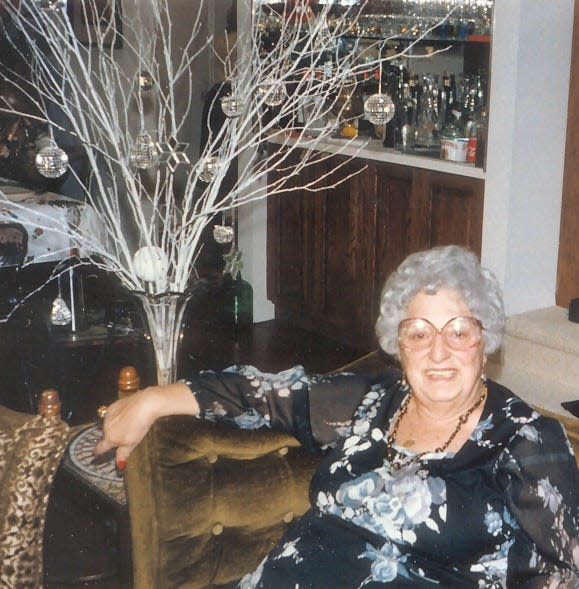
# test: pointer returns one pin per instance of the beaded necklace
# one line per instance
(391, 438)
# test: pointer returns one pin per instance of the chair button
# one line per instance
(283, 451)
(217, 529)
(212, 458)
(288, 517)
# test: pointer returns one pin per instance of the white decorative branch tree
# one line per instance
(124, 107)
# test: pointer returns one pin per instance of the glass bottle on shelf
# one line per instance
(453, 143)
(406, 114)
(366, 87)
(455, 128)
(473, 98)
(481, 140)
(427, 115)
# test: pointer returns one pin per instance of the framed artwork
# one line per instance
(91, 19)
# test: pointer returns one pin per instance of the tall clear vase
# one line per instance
(164, 315)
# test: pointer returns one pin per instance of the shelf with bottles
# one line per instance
(434, 58)
(434, 115)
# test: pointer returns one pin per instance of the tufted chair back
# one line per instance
(31, 447)
(207, 502)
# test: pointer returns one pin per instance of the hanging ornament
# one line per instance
(51, 161)
(60, 314)
(233, 263)
(231, 106)
(145, 81)
(273, 93)
(209, 170)
(379, 109)
(223, 234)
(150, 263)
(173, 153)
(144, 153)
(50, 4)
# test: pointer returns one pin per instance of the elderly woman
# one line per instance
(431, 477)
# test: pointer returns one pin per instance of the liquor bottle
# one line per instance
(452, 99)
(366, 88)
(473, 98)
(427, 115)
(453, 144)
(443, 101)
(481, 141)
(394, 88)
(454, 129)
(472, 130)
(406, 112)
(413, 92)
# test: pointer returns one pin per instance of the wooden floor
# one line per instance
(271, 346)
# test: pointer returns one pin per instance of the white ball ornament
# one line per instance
(150, 263)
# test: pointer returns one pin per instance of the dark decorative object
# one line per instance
(91, 25)
(572, 407)
(13, 244)
(574, 310)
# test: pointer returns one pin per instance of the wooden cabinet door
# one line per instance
(455, 205)
(288, 244)
(394, 225)
(343, 271)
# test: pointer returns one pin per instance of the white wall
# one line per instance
(252, 223)
(528, 116)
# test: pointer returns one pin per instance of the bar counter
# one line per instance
(372, 149)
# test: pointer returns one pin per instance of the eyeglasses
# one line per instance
(459, 333)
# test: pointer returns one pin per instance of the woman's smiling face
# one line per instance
(440, 374)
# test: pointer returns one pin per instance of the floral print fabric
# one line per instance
(501, 512)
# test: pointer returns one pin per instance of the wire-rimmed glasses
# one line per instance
(459, 333)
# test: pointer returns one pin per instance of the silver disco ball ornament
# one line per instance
(273, 93)
(145, 81)
(209, 169)
(231, 106)
(50, 4)
(223, 233)
(379, 109)
(144, 154)
(51, 161)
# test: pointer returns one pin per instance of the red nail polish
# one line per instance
(121, 464)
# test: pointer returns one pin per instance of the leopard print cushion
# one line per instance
(30, 450)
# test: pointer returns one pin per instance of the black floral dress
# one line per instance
(501, 512)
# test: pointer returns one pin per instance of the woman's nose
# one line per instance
(439, 350)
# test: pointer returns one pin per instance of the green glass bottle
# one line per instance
(237, 301)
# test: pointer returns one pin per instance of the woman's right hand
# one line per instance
(127, 421)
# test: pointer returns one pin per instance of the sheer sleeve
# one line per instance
(314, 409)
(542, 485)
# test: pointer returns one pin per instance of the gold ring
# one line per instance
(102, 411)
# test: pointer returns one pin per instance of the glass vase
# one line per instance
(164, 319)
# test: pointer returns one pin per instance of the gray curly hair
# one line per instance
(445, 267)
